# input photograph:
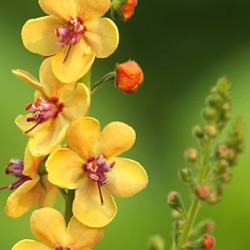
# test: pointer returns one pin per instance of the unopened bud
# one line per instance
(203, 191)
(209, 113)
(211, 131)
(226, 177)
(185, 175)
(213, 198)
(208, 242)
(129, 76)
(156, 242)
(191, 155)
(123, 10)
(222, 151)
(204, 227)
(175, 202)
(198, 131)
(214, 99)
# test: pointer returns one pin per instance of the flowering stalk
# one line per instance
(209, 169)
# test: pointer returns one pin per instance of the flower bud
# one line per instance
(211, 131)
(208, 242)
(198, 131)
(175, 202)
(191, 155)
(203, 191)
(129, 76)
(123, 10)
(185, 175)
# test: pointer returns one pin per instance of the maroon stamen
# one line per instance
(67, 54)
(43, 110)
(15, 167)
(95, 168)
(100, 192)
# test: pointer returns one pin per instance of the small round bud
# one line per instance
(214, 100)
(213, 198)
(191, 155)
(208, 242)
(211, 131)
(226, 177)
(222, 151)
(129, 76)
(209, 113)
(198, 131)
(203, 191)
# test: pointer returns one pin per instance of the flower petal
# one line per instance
(76, 102)
(81, 236)
(102, 36)
(39, 35)
(115, 138)
(87, 207)
(71, 65)
(51, 85)
(89, 9)
(24, 126)
(28, 78)
(83, 135)
(62, 8)
(29, 244)
(48, 225)
(45, 141)
(126, 178)
(17, 203)
(64, 168)
(49, 194)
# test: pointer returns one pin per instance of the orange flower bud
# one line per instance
(128, 9)
(129, 76)
(203, 192)
(208, 243)
(123, 10)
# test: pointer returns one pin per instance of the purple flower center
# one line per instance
(71, 33)
(43, 110)
(96, 168)
(15, 167)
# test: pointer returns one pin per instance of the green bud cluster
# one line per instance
(226, 156)
(218, 104)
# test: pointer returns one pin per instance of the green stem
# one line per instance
(189, 222)
(108, 77)
(68, 206)
(194, 208)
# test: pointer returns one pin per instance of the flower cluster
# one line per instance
(67, 151)
(208, 171)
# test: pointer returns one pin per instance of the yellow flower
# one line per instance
(31, 187)
(73, 33)
(56, 105)
(91, 167)
(49, 227)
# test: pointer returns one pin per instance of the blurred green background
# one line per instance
(183, 47)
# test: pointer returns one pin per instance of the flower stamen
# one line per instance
(43, 110)
(95, 169)
(70, 34)
(15, 167)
